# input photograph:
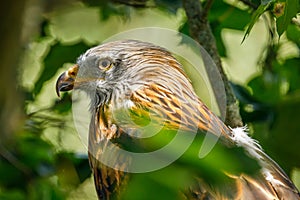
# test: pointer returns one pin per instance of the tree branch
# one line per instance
(200, 30)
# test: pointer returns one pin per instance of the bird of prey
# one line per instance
(142, 78)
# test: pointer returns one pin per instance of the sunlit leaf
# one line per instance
(255, 16)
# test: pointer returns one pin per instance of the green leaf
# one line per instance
(10, 176)
(264, 2)
(219, 41)
(44, 189)
(57, 56)
(293, 34)
(290, 10)
(12, 194)
(228, 16)
(169, 5)
(77, 166)
(41, 160)
(63, 105)
(111, 9)
(266, 87)
(255, 16)
(291, 72)
(223, 15)
(283, 132)
(184, 28)
(251, 109)
(156, 185)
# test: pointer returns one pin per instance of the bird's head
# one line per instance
(113, 70)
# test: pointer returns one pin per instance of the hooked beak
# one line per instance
(65, 81)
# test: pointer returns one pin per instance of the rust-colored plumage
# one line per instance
(142, 78)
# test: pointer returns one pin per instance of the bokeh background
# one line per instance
(41, 154)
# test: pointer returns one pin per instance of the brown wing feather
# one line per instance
(108, 181)
(186, 113)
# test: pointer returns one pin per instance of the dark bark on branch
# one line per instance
(200, 30)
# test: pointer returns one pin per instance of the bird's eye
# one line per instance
(105, 64)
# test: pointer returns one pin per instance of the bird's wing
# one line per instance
(269, 183)
(273, 182)
(179, 110)
(102, 133)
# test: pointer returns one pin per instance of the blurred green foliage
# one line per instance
(57, 56)
(34, 167)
